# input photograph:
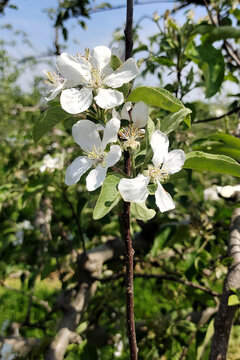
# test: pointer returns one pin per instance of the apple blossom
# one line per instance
(164, 164)
(137, 116)
(86, 134)
(91, 76)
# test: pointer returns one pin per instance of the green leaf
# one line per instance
(212, 65)
(149, 130)
(201, 349)
(156, 97)
(211, 62)
(220, 144)
(222, 33)
(115, 62)
(141, 212)
(198, 160)
(172, 121)
(233, 300)
(163, 61)
(50, 118)
(108, 198)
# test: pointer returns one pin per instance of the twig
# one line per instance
(125, 216)
(162, 277)
(217, 117)
(76, 219)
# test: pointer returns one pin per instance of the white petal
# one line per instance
(55, 91)
(124, 113)
(140, 114)
(115, 114)
(108, 98)
(71, 69)
(113, 155)
(111, 132)
(124, 74)
(77, 168)
(96, 178)
(76, 101)
(134, 190)
(159, 144)
(86, 135)
(163, 199)
(100, 57)
(174, 161)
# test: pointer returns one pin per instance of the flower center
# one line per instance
(157, 173)
(131, 133)
(53, 79)
(96, 81)
(96, 154)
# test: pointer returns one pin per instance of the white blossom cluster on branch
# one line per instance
(88, 83)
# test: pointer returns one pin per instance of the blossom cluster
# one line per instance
(89, 81)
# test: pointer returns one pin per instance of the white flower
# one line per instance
(92, 73)
(137, 116)
(164, 163)
(86, 134)
(51, 163)
(211, 193)
(56, 84)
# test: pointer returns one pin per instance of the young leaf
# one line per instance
(50, 118)
(172, 121)
(224, 144)
(212, 65)
(198, 160)
(156, 97)
(222, 33)
(108, 198)
(233, 300)
(141, 212)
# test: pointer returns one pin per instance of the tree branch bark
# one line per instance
(225, 315)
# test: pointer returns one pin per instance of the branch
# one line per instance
(218, 117)
(162, 277)
(225, 315)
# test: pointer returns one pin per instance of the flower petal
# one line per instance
(140, 115)
(163, 199)
(100, 57)
(108, 98)
(159, 144)
(72, 69)
(86, 135)
(76, 101)
(113, 156)
(96, 178)
(124, 113)
(174, 161)
(55, 91)
(77, 168)
(124, 74)
(134, 190)
(111, 132)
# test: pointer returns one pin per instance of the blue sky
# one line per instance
(31, 18)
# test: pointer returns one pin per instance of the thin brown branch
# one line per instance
(218, 117)
(162, 277)
(76, 218)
